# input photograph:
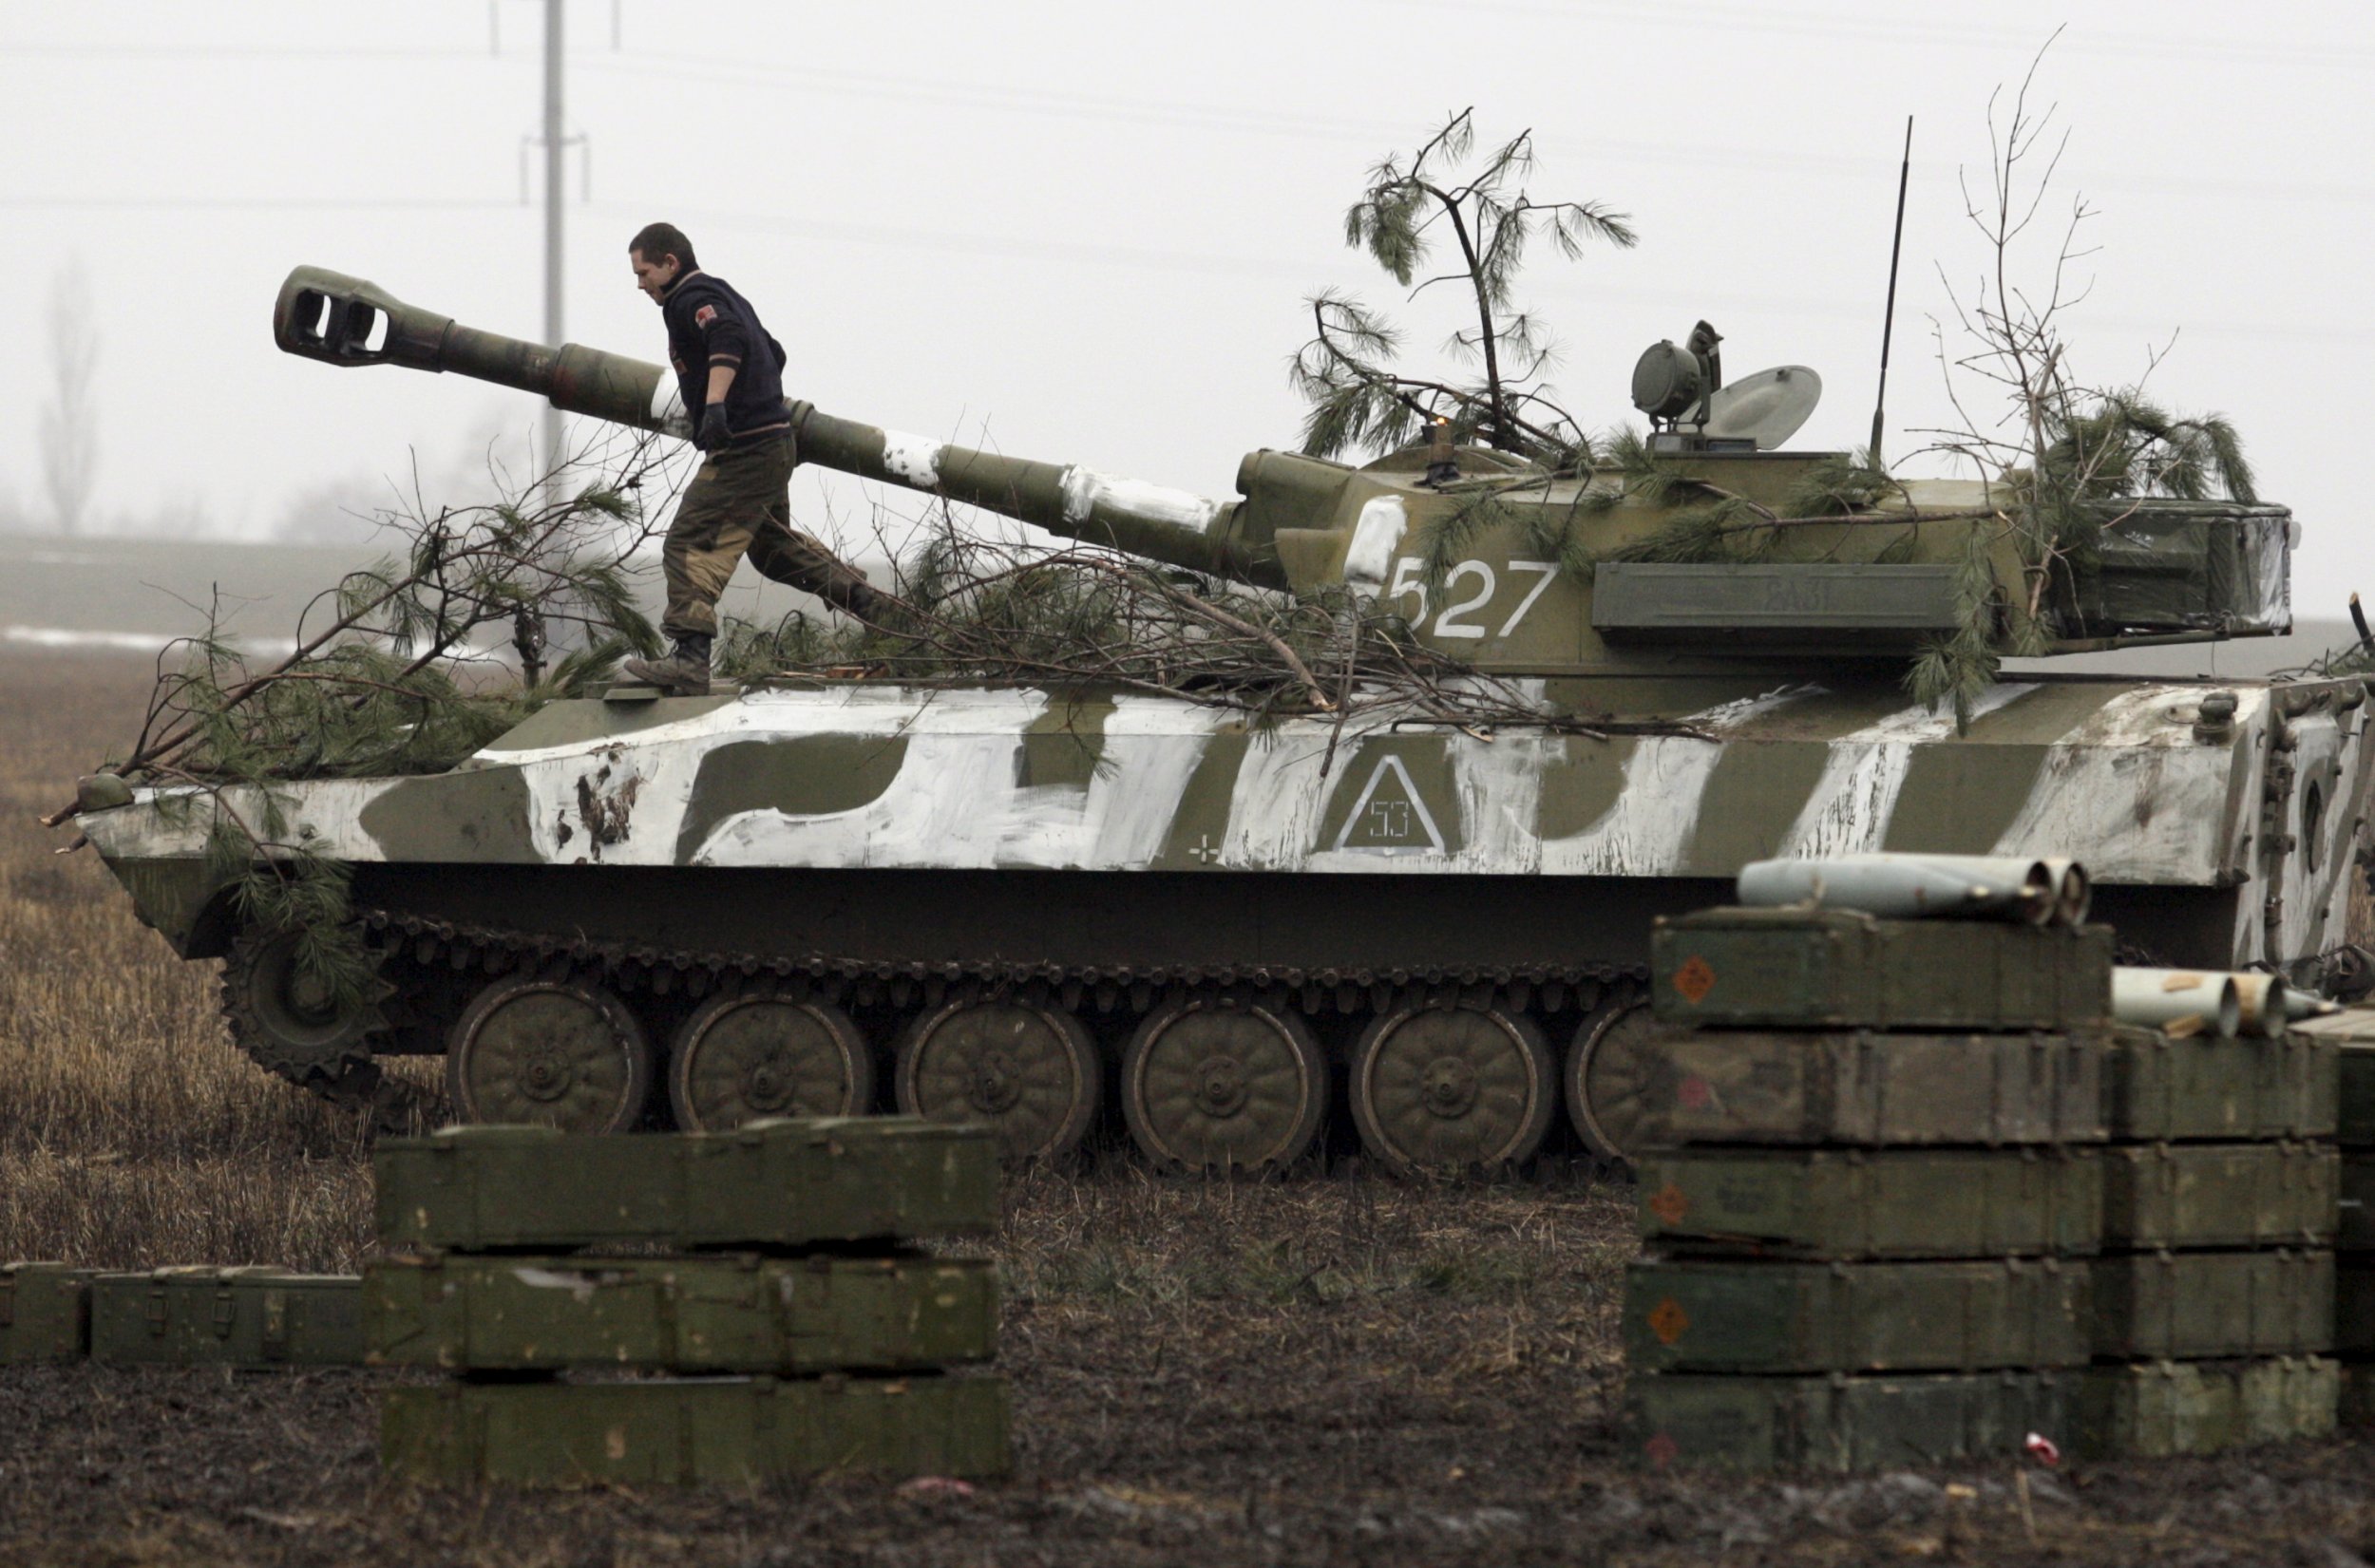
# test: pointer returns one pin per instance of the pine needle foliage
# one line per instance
(394, 673)
(1349, 372)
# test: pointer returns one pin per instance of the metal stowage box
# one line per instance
(696, 1315)
(2201, 1086)
(769, 1184)
(720, 1431)
(2219, 1195)
(1829, 969)
(1852, 1203)
(2160, 1408)
(1870, 1088)
(1843, 1317)
(2210, 1304)
(1841, 1422)
(44, 1313)
(227, 1317)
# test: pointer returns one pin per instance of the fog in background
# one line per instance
(1085, 232)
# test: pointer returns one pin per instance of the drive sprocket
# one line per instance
(295, 1028)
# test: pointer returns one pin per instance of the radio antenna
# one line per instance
(1888, 319)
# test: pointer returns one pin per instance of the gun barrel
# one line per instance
(345, 321)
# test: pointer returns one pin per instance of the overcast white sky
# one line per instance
(1084, 230)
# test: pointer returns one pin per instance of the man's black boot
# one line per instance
(685, 672)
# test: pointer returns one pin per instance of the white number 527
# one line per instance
(1453, 622)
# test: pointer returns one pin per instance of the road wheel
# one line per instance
(1607, 1077)
(1029, 1073)
(755, 1053)
(1217, 1085)
(1452, 1089)
(549, 1053)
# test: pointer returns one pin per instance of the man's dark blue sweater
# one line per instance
(708, 324)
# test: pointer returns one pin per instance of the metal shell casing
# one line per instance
(690, 1314)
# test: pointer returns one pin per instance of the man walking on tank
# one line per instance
(729, 373)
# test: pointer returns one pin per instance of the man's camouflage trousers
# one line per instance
(739, 503)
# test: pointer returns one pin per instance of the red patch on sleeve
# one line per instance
(706, 314)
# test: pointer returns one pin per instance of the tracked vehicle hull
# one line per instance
(996, 903)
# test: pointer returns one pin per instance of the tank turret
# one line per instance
(1875, 585)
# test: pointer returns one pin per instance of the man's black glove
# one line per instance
(712, 436)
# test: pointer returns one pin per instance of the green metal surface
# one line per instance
(688, 1314)
(1833, 968)
(768, 1184)
(722, 1432)
(2203, 1305)
(1830, 1204)
(1870, 1090)
(248, 1318)
(1762, 1317)
(44, 1313)
(1759, 1424)
(2220, 1195)
(2201, 1087)
(2158, 1408)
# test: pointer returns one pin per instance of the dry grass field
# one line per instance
(1330, 1371)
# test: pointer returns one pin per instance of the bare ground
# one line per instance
(1334, 1370)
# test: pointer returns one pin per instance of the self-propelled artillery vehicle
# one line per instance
(1026, 903)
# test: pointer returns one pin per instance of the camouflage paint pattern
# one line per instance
(881, 777)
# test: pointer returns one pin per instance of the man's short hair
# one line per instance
(657, 241)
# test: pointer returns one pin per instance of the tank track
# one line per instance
(495, 949)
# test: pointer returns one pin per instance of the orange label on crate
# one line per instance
(1695, 979)
(1695, 1093)
(1669, 1203)
(1667, 1320)
(1662, 1450)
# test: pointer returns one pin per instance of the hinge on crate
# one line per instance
(7, 1300)
(226, 1308)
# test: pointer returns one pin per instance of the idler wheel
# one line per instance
(1030, 1073)
(753, 1055)
(550, 1053)
(286, 1018)
(1451, 1088)
(1608, 1071)
(1212, 1085)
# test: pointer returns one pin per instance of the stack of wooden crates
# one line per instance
(2353, 1033)
(733, 1307)
(1908, 1196)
